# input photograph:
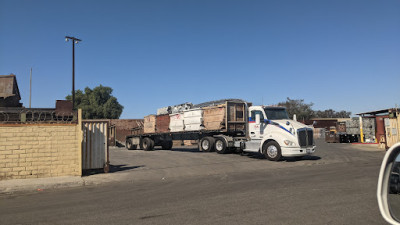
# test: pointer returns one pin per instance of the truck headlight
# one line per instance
(289, 143)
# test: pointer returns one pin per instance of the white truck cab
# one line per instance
(273, 134)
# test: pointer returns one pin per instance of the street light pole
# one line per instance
(74, 41)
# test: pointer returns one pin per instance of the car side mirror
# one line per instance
(388, 192)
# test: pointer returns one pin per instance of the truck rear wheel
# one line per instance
(167, 145)
(220, 146)
(272, 151)
(130, 146)
(148, 144)
(206, 144)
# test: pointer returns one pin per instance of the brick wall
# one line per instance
(40, 150)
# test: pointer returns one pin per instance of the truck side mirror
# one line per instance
(388, 192)
(294, 117)
(257, 119)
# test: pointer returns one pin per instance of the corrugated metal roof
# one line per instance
(378, 111)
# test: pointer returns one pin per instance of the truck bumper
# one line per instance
(296, 151)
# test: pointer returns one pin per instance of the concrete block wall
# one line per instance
(40, 150)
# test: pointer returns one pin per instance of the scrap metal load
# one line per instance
(226, 115)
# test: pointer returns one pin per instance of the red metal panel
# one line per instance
(380, 129)
(162, 123)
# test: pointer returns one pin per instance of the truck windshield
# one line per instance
(276, 114)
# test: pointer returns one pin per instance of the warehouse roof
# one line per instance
(378, 112)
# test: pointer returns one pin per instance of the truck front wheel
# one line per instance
(206, 144)
(272, 151)
(148, 144)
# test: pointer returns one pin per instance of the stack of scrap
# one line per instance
(182, 107)
(369, 129)
(214, 117)
(193, 119)
(176, 122)
(174, 109)
(164, 111)
(149, 124)
(162, 123)
(353, 126)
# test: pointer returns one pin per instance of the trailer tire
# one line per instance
(220, 146)
(167, 145)
(148, 144)
(272, 151)
(130, 146)
(206, 144)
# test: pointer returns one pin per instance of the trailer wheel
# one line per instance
(272, 151)
(130, 146)
(167, 145)
(220, 146)
(206, 144)
(148, 144)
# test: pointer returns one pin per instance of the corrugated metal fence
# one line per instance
(95, 153)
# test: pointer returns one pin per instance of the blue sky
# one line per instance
(343, 55)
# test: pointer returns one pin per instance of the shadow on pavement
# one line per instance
(304, 158)
(117, 168)
(113, 169)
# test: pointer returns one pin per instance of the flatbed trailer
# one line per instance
(234, 129)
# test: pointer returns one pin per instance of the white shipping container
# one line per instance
(193, 127)
(176, 122)
(193, 113)
(193, 120)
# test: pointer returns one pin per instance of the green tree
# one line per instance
(302, 110)
(97, 103)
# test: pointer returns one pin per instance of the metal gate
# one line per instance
(95, 153)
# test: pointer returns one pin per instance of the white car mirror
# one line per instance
(388, 192)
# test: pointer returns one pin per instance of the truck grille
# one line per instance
(306, 137)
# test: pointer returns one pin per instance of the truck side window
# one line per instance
(254, 113)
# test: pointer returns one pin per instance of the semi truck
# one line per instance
(235, 125)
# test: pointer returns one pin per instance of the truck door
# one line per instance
(256, 130)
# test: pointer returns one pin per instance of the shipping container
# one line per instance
(214, 117)
(162, 123)
(229, 117)
(149, 124)
(176, 122)
(193, 119)
(392, 126)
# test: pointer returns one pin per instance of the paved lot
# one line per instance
(337, 185)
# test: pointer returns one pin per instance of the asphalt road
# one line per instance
(337, 185)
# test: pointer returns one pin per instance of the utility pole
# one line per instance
(74, 41)
(30, 90)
